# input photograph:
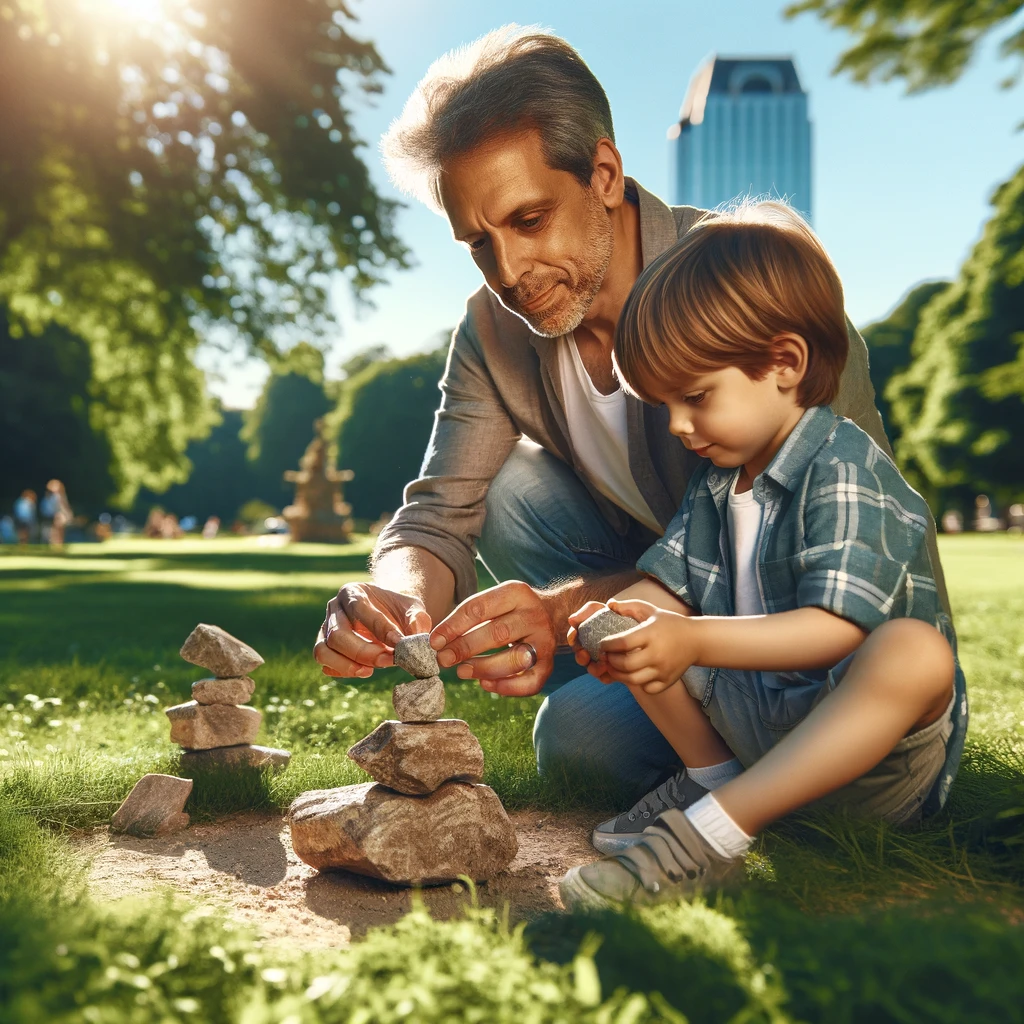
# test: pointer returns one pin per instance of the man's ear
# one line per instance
(791, 360)
(608, 179)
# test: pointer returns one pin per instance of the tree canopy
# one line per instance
(386, 414)
(890, 342)
(44, 419)
(168, 167)
(279, 427)
(959, 406)
(923, 42)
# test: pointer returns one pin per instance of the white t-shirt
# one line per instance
(745, 517)
(597, 429)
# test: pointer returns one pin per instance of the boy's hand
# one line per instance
(656, 653)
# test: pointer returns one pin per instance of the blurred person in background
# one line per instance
(25, 522)
(55, 513)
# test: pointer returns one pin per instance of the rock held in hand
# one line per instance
(460, 829)
(219, 652)
(601, 624)
(154, 807)
(243, 756)
(422, 700)
(234, 690)
(201, 726)
(416, 758)
(416, 656)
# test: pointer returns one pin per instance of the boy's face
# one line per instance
(732, 419)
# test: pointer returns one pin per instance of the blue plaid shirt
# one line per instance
(841, 530)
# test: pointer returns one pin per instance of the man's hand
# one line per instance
(510, 615)
(654, 654)
(361, 628)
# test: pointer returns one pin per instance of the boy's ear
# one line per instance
(791, 358)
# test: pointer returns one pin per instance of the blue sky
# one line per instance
(901, 184)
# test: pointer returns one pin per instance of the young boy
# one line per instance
(791, 645)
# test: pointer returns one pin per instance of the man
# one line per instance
(538, 462)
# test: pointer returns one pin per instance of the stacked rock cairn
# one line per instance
(216, 728)
(427, 819)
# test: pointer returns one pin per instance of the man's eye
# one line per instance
(531, 222)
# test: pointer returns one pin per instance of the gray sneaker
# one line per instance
(621, 832)
(671, 859)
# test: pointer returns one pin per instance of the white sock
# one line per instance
(723, 834)
(714, 775)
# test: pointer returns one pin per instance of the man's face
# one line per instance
(541, 239)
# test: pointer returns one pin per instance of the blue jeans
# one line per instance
(543, 525)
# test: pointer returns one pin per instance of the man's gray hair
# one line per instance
(511, 80)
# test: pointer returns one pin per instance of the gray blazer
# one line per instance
(501, 383)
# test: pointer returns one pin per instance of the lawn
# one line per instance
(840, 921)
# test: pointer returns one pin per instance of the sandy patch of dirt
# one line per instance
(245, 864)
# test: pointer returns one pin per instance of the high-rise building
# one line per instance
(743, 130)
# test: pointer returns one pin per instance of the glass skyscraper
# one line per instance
(743, 130)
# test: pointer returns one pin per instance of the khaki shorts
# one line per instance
(752, 717)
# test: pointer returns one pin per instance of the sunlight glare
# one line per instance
(149, 11)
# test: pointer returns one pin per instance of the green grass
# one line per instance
(843, 921)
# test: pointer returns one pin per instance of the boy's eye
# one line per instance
(696, 398)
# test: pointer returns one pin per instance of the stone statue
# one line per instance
(319, 513)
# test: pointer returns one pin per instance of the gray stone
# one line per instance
(243, 756)
(416, 758)
(154, 807)
(201, 726)
(460, 829)
(422, 700)
(219, 652)
(601, 624)
(233, 690)
(416, 656)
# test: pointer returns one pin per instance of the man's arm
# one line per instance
(417, 573)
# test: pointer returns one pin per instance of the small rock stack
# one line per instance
(216, 728)
(427, 819)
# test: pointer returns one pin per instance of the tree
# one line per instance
(923, 42)
(385, 417)
(220, 482)
(960, 404)
(170, 167)
(280, 426)
(44, 419)
(889, 344)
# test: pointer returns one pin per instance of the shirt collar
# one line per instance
(658, 228)
(791, 461)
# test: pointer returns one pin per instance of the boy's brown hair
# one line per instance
(722, 293)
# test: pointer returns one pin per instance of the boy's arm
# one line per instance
(665, 643)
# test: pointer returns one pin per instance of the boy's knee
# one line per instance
(925, 657)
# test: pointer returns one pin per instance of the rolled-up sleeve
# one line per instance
(861, 537)
(666, 560)
(443, 510)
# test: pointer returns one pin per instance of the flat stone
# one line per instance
(601, 624)
(219, 652)
(416, 758)
(422, 700)
(202, 726)
(460, 829)
(233, 690)
(244, 755)
(154, 807)
(416, 656)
